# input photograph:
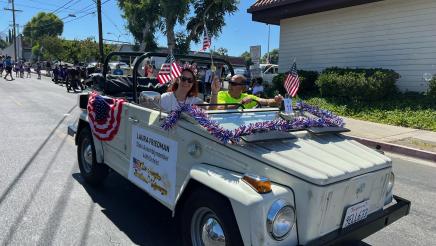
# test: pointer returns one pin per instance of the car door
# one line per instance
(115, 151)
(152, 153)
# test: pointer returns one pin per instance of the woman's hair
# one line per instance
(193, 92)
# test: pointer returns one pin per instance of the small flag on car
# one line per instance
(292, 81)
(104, 116)
(169, 70)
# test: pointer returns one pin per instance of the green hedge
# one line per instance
(357, 84)
(433, 86)
(307, 82)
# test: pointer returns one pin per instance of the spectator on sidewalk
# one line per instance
(8, 67)
(258, 87)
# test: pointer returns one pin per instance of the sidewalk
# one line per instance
(402, 140)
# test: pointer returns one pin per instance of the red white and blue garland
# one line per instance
(325, 119)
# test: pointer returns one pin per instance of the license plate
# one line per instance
(356, 213)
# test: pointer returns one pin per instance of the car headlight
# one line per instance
(280, 219)
(391, 181)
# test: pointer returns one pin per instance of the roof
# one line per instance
(272, 11)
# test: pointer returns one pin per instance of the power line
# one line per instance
(61, 7)
(80, 17)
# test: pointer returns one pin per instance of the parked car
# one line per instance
(309, 186)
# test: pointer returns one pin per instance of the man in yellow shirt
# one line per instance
(235, 94)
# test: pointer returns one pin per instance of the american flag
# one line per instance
(104, 116)
(169, 70)
(206, 40)
(292, 81)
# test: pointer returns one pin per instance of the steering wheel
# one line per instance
(258, 105)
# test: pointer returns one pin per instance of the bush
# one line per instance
(432, 86)
(357, 84)
(307, 82)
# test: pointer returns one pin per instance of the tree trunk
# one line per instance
(171, 37)
(145, 32)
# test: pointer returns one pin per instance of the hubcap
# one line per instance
(206, 229)
(87, 155)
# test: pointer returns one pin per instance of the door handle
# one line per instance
(133, 120)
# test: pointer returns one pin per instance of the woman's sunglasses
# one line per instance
(189, 80)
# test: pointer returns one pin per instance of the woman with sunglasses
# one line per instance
(185, 91)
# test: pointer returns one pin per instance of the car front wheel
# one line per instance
(207, 219)
(94, 173)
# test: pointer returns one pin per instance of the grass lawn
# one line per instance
(408, 110)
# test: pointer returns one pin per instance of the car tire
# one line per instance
(93, 172)
(202, 206)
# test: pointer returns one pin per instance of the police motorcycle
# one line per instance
(73, 79)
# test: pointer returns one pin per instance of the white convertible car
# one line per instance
(300, 186)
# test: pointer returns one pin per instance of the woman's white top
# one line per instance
(168, 101)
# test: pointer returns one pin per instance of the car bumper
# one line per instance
(72, 130)
(370, 225)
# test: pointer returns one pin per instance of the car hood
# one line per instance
(319, 159)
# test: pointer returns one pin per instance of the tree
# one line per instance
(221, 51)
(3, 44)
(43, 24)
(273, 57)
(52, 47)
(247, 57)
(145, 17)
(142, 21)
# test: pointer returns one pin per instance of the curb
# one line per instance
(399, 149)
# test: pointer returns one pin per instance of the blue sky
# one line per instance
(238, 35)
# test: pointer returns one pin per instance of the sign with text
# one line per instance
(153, 164)
(255, 54)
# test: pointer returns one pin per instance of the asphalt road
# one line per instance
(43, 200)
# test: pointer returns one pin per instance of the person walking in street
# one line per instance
(8, 67)
(27, 68)
(21, 67)
(2, 66)
(38, 69)
(17, 69)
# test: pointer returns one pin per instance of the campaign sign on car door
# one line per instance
(153, 164)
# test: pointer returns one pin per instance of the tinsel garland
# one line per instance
(325, 119)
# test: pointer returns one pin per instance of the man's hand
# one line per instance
(278, 99)
(216, 85)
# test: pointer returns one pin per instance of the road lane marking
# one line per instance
(15, 101)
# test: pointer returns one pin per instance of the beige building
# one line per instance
(392, 34)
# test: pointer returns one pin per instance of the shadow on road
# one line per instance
(144, 220)
(30, 161)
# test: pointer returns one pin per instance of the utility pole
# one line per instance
(100, 32)
(14, 33)
(269, 30)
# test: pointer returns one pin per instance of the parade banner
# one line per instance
(153, 164)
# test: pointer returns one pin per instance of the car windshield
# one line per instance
(233, 120)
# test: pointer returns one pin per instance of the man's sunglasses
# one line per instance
(189, 80)
(236, 83)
